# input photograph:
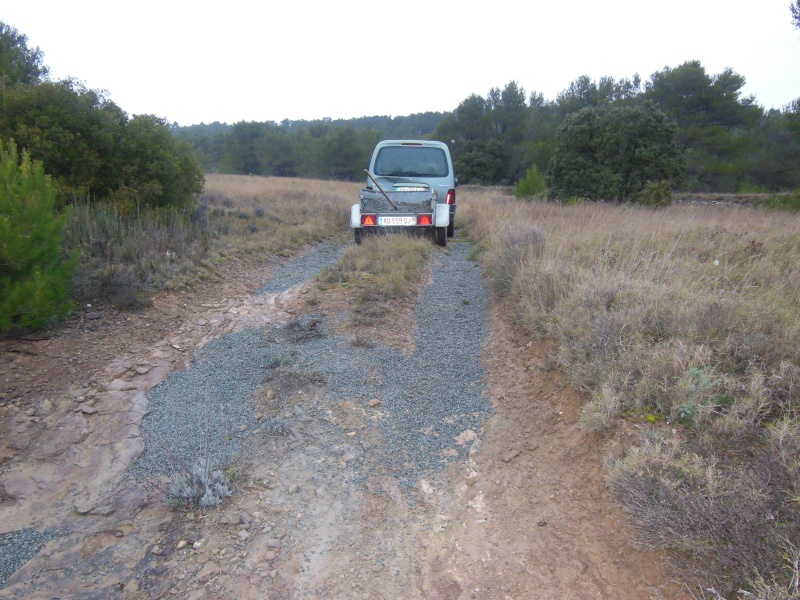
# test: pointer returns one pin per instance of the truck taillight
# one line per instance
(368, 220)
(424, 220)
(451, 197)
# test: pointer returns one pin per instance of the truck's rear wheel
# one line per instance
(451, 229)
(358, 234)
(441, 236)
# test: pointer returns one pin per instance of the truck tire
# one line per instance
(441, 236)
(451, 229)
(358, 234)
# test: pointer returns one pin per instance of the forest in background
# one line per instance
(728, 141)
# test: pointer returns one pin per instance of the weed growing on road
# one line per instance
(200, 485)
(387, 263)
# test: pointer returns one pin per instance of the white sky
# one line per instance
(198, 61)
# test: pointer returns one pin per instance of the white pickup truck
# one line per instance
(410, 188)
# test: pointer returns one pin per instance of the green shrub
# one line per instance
(530, 185)
(784, 201)
(34, 278)
(655, 194)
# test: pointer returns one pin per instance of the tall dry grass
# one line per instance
(683, 323)
(125, 258)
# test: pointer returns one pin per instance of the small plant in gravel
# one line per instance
(200, 485)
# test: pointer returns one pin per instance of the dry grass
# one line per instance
(381, 269)
(274, 214)
(125, 259)
(684, 320)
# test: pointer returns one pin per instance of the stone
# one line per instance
(274, 543)
(87, 409)
(45, 408)
(243, 535)
(93, 316)
(211, 569)
(230, 518)
(375, 402)
(181, 545)
(120, 385)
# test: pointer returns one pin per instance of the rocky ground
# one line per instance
(358, 468)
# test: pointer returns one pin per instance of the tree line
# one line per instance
(320, 149)
(721, 140)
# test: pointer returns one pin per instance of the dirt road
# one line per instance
(503, 499)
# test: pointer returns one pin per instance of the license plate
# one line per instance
(390, 221)
(410, 189)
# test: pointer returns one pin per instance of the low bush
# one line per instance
(513, 246)
(789, 202)
(200, 485)
(655, 194)
(531, 184)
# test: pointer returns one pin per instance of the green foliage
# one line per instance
(612, 153)
(71, 130)
(93, 150)
(530, 185)
(655, 194)
(480, 162)
(34, 279)
(790, 202)
(157, 169)
(19, 64)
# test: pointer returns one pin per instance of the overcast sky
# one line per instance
(194, 62)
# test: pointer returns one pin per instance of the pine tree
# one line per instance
(35, 278)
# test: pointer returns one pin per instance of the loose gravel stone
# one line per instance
(304, 268)
(19, 547)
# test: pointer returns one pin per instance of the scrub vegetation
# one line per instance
(682, 326)
(126, 258)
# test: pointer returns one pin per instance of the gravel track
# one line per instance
(428, 397)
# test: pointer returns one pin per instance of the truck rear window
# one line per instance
(411, 161)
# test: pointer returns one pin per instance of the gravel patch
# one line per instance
(427, 399)
(19, 547)
(435, 394)
(205, 411)
(304, 268)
